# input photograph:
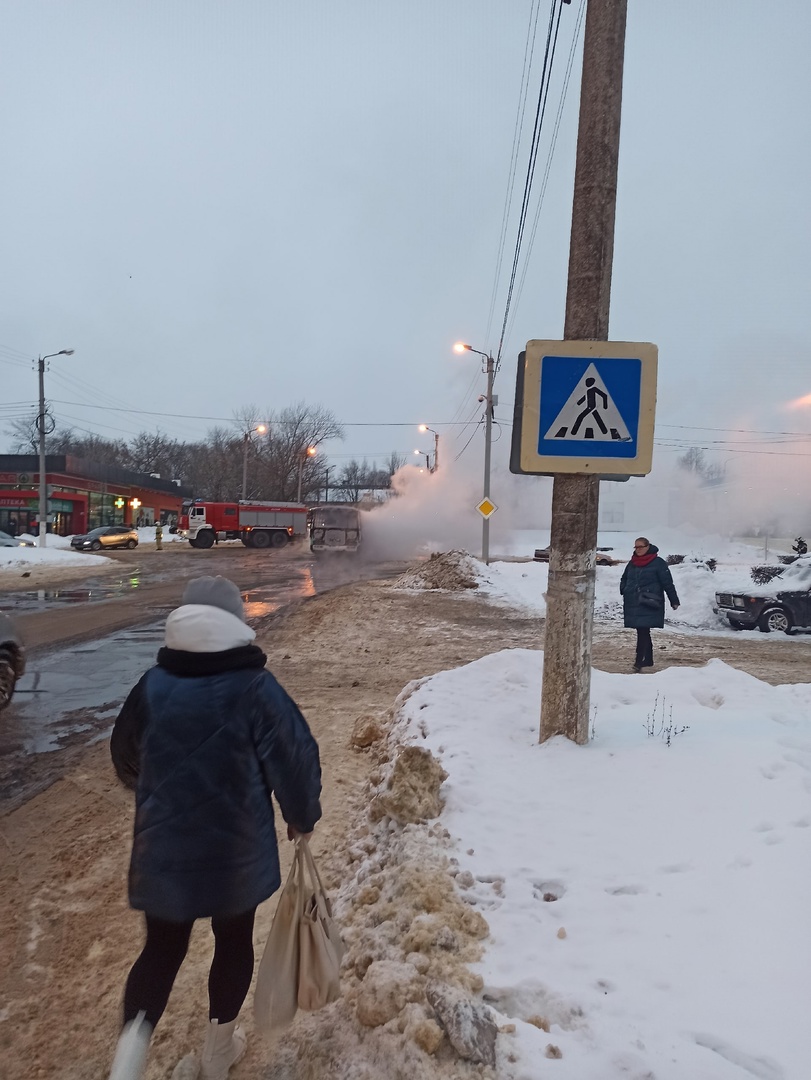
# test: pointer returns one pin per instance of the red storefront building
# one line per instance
(83, 495)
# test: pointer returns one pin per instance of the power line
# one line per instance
(529, 52)
(540, 111)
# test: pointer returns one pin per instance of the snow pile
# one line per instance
(57, 555)
(641, 892)
(453, 570)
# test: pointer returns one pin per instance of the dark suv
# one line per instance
(12, 660)
(784, 604)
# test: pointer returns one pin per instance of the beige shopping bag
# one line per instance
(275, 999)
(300, 967)
(320, 945)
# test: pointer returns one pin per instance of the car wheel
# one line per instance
(131, 544)
(8, 678)
(775, 620)
(96, 545)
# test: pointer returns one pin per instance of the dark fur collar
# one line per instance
(180, 662)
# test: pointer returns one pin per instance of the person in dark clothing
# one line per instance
(643, 585)
(203, 739)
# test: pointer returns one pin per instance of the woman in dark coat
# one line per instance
(645, 580)
(203, 740)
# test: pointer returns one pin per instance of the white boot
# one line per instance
(133, 1045)
(225, 1045)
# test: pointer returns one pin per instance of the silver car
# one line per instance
(14, 541)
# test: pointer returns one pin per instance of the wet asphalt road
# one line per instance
(70, 695)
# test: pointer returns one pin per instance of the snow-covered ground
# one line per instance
(647, 893)
(59, 554)
(523, 584)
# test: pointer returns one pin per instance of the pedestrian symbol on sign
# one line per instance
(589, 414)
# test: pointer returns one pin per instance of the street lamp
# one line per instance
(260, 429)
(427, 457)
(424, 427)
(488, 367)
(43, 487)
(309, 451)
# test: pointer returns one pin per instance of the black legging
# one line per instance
(644, 647)
(153, 974)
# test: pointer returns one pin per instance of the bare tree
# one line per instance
(395, 461)
(212, 467)
(695, 461)
(282, 454)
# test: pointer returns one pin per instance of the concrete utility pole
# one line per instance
(43, 485)
(575, 498)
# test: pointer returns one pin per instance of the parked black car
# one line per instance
(12, 660)
(542, 555)
(106, 536)
(784, 604)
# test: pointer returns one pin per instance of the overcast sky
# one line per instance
(219, 204)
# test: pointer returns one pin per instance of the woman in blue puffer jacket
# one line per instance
(644, 582)
(203, 740)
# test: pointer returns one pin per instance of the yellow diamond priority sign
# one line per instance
(486, 508)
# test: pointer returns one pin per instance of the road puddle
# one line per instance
(88, 593)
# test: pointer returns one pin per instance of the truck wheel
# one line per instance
(775, 620)
(279, 539)
(205, 539)
(247, 539)
(261, 539)
(8, 677)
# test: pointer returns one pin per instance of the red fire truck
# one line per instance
(256, 524)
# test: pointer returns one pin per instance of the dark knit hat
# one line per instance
(215, 592)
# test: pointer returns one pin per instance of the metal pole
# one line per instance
(43, 487)
(488, 435)
(575, 498)
(436, 451)
(300, 472)
(245, 438)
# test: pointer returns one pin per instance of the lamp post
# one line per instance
(424, 427)
(260, 429)
(309, 451)
(421, 453)
(488, 367)
(43, 487)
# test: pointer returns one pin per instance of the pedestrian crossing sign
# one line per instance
(585, 407)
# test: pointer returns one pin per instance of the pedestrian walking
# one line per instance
(203, 739)
(643, 585)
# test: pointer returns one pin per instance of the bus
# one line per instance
(334, 528)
